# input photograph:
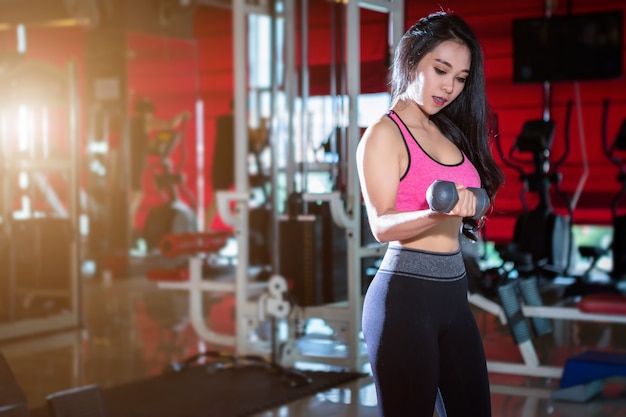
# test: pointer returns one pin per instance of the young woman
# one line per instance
(420, 332)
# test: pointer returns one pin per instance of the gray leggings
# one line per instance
(421, 335)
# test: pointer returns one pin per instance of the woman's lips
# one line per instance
(439, 101)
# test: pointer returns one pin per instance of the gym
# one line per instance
(182, 231)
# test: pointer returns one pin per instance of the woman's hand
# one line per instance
(466, 206)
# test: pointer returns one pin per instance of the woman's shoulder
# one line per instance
(381, 138)
(381, 129)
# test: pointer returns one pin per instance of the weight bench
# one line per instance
(185, 244)
(191, 278)
(584, 374)
(603, 304)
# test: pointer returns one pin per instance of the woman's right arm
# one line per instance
(381, 161)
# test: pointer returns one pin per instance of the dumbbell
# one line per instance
(442, 196)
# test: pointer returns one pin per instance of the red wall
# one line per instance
(175, 72)
(516, 103)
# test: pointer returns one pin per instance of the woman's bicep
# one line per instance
(378, 173)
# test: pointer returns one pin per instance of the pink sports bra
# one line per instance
(423, 170)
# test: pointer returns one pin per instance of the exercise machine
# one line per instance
(256, 301)
(613, 151)
(617, 248)
(542, 238)
(173, 215)
(541, 245)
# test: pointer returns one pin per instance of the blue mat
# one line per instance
(591, 366)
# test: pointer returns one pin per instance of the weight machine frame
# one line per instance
(345, 208)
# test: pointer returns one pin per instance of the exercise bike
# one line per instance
(173, 215)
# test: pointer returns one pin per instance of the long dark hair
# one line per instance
(465, 120)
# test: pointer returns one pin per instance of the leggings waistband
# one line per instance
(435, 266)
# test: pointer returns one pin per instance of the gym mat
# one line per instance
(204, 391)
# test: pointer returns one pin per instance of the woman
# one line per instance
(420, 332)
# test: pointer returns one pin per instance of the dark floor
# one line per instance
(134, 330)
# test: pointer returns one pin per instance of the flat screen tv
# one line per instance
(571, 47)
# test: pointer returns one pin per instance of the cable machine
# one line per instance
(337, 213)
(272, 301)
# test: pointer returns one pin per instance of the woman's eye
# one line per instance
(461, 80)
(439, 71)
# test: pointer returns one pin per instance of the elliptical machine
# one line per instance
(542, 239)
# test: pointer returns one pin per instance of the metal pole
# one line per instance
(74, 213)
(241, 172)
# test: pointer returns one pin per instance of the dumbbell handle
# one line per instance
(442, 196)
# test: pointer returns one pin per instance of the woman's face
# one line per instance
(440, 76)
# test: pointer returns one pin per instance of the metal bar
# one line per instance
(570, 313)
(74, 197)
(201, 169)
(510, 368)
(290, 89)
